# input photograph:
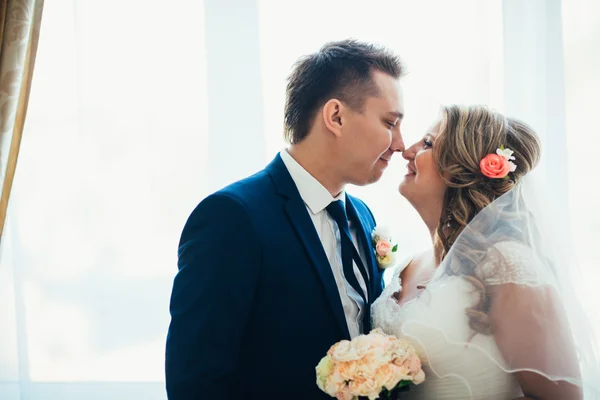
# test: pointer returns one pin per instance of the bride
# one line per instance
(491, 309)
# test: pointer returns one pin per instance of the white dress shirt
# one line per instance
(316, 198)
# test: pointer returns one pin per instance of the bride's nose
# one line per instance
(409, 154)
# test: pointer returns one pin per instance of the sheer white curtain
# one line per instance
(140, 108)
(113, 158)
(582, 63)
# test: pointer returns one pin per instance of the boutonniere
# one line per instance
(384, 247)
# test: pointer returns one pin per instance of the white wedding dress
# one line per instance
(509, 247)
(436, 323)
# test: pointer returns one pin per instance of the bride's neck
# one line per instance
(438, 246)
(431, 217)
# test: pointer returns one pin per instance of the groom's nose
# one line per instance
(397, 142)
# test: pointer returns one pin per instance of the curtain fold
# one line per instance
(20, 28)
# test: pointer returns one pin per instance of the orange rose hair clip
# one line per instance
(499, 165)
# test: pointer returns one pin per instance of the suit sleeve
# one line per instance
(219, 262)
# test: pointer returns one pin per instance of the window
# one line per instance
(111, 164)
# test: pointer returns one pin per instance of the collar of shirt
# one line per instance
(313, 193)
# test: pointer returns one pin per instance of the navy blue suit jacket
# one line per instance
(255, 305)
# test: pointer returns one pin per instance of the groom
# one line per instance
(276, 268)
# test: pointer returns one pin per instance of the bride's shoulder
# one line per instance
(404, 263)
(414, 260)
(512, 262)
(408, 265)
(397, 269)
(511, 254)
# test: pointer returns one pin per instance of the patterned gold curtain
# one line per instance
(19, 33)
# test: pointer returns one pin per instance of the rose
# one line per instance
(366, 366)
(495, 166)
(419, 378)
(323, 371)
(347, 370)
(402, 373)
(335, 383)
(344, 351)
(365, 386)
(344, 394)
(410, 369)
(385, 261)
(375, 338)
(383, 247)
(387, 376)
(414, 364)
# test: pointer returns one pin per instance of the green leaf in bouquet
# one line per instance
(402, 386)
(394, 248)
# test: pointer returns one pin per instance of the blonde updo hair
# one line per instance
(467, 135)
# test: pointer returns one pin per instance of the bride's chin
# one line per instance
(402, 188)
(406, 180)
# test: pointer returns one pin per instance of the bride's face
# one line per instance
(422, 185)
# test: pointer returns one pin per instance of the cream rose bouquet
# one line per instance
(372, 366)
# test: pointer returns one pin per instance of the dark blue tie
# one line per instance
(337, 210)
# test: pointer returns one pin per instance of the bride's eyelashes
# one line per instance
(427, 143)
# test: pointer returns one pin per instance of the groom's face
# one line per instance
(372, 135)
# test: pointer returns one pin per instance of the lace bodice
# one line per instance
(386, 311)
(510, 262)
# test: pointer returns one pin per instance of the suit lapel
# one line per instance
(300, 220)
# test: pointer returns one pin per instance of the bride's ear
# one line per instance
(334, 115)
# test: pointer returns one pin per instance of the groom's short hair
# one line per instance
(341, 70)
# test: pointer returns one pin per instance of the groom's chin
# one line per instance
(365, 182)
(378, 171)
(369, 177)
(375, 176)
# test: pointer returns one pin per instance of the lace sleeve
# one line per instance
(512, 262)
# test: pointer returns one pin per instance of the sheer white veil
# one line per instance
(513, 253)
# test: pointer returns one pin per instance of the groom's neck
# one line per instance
(319, 164)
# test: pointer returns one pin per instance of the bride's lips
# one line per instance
(410, 170)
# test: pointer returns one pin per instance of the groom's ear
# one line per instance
(334, 115)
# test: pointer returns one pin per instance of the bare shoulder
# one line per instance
(421, 260)
(416, 274)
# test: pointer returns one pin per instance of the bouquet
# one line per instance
(373, 366)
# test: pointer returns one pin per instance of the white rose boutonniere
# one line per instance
(384, 247)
